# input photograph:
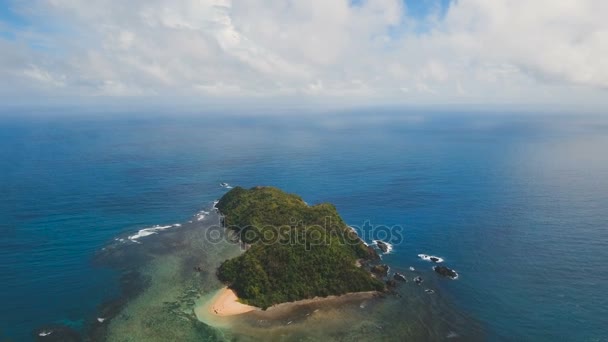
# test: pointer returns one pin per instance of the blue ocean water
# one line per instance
(516, 203)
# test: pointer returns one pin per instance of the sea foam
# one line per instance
(45, 333)
(429, 257)
(150, 231)
(201, 215)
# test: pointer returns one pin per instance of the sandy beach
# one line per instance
(225, 303)
(218, 309)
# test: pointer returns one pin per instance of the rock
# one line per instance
(198, 269)
(434, 259)
(381, 270)
(372, 254)
(446, 272)
(391, 283)
(418, 280)
(399, 276)
(382, 245)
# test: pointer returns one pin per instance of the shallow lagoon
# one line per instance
(165, 307)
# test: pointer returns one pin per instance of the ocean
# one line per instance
(516, 203)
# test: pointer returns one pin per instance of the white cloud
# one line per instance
(479, 51)
(45, 77)
(558, 40)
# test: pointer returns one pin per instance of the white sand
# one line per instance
(225, 303)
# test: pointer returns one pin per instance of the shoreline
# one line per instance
(343, 297)
(219, 308)
(226, 303)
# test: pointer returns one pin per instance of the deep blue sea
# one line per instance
(517, 203)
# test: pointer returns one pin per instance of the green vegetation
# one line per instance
(297, 251)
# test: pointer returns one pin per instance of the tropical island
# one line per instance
(293, 251)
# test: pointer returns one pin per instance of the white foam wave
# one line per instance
(157, 228)
(100, 319)
(412, 268)
(150, 231)
(45, 333)
(201, 215)
(226, 185)
(430, 258)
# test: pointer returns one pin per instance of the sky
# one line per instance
(414, 52)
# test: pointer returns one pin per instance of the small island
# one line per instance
(293, 251)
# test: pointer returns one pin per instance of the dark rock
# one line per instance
(391, 283)
(382, 245)
(399, 276)
(434, 259)
(198, 269)
(372, 254)
(418, 280)
(381, 270)
(446, 272)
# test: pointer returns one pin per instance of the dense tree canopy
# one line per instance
(297, 251)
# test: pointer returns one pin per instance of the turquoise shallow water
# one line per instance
(517, 204)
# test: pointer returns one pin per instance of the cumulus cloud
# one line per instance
(474, 51)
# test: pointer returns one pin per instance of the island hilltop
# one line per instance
(295, 251)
